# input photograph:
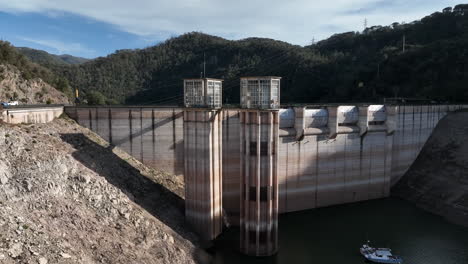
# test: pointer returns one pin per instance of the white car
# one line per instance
(9, 104)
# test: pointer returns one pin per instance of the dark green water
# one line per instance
(333, 236)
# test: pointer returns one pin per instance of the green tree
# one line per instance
(95, 98)
(63, 85)
(111, 102)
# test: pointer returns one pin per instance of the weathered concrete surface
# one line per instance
(231, 164)
(152, 135)
(358, 159)
(326, 155)
(30, 115)
(203, 171)
(438, 179)
(339, 157)
(259, 182)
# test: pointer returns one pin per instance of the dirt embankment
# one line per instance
(438, 180)
(66, 196)
(13, 87)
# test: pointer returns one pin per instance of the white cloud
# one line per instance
(60, 47)
(295, 21)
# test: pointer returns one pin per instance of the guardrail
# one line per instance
(31, 114)
(33, 106)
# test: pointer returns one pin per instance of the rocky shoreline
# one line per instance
(438, 180)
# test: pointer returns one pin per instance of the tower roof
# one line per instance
(207, 79)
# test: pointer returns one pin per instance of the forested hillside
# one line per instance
(353, 66)
(433, 63)
(154, 74)
(45, 58)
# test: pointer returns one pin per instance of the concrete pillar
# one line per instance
(299, 123)
(363, 119)
(332, 121)
(392, 119)
(259, 182)
(203, 171)
(391, 125)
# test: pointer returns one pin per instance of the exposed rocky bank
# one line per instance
(438, 179)
(66, 196)
(14, 87)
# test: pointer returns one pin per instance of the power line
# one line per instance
(165, 99)
(276, 56)
(404, 43)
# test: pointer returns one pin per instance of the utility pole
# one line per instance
(404, 43)
(378, 71)
(365, 23)
(204, 65)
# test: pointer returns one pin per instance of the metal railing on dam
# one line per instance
(326, 155)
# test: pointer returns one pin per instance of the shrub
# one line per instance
(96, 98)
(111, 102)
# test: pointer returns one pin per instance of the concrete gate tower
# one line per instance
(259, 159)
(203, 156)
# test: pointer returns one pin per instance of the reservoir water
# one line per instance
(333, 236)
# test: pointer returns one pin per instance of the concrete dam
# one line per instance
(249, 164)
(325, 155)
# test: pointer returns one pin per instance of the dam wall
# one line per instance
(353, 155)
(327, 155)
(30, 114)
(415, 124)
(350, 153)
(153, 135)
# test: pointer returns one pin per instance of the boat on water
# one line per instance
(379, 255)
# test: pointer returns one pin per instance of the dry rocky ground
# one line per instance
(14, 87)
(438, 179)
(66, 196)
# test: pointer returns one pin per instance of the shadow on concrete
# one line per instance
(141, 125)
(156, 199)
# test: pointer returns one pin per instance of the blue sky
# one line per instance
(90, 28)
(67, 34)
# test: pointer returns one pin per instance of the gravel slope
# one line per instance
(66, 196)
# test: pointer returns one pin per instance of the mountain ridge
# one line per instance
(45, 58)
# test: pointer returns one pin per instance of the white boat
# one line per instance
(379, 255)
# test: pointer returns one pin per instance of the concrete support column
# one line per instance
(203, 171)
(332, 120)
(391, 124)
(392, 119)
(259, 182)
(363, 119)
(299, 123)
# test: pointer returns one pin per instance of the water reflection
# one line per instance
(333, 235)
